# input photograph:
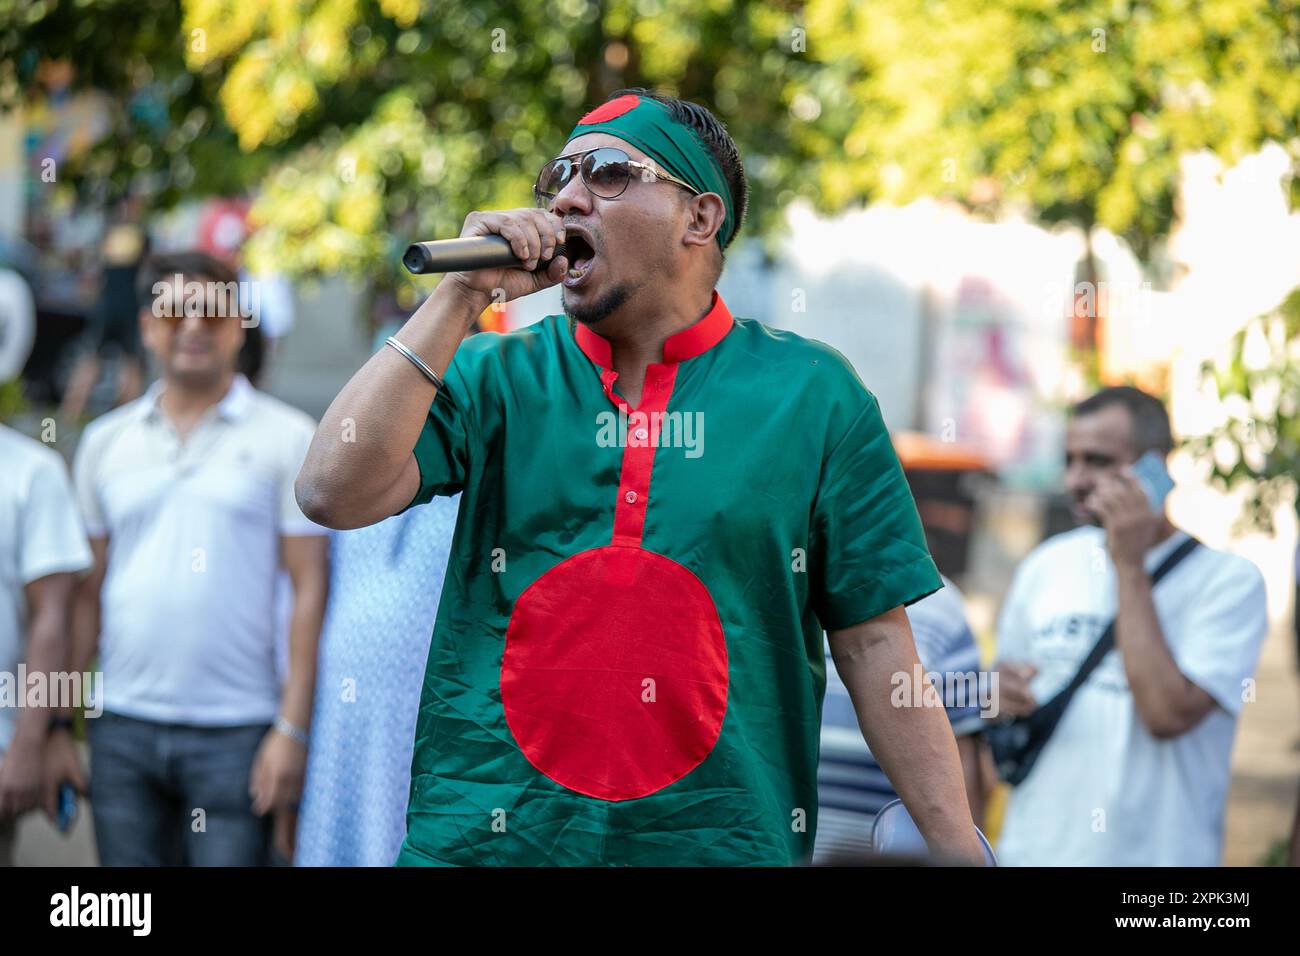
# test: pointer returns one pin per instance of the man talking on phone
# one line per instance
(1136, 771)
(662, 508)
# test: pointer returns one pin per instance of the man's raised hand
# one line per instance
(535, 235)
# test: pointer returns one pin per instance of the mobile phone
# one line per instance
(67, 806)
(1154, 478)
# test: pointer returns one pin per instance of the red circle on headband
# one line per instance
(607, 111)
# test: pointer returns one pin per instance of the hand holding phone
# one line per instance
(1154, 478)
(67, 807)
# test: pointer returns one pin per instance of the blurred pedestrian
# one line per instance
(112, 337)
(44, 552)
(188, 500)
(1136, 772)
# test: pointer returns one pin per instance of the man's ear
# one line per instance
(707, 214)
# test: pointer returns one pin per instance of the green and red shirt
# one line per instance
(627, 665)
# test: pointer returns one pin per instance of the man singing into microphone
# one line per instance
(662, 508)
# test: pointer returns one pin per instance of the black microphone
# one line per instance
(463, 255)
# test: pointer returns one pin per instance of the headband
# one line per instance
(647, 124)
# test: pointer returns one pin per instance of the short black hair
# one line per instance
(189, 264)
(715, 136)
(1150, 420)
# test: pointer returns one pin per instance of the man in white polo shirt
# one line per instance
(188, 498)
(1136, 773)
(43, 550)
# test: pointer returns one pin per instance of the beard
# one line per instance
(602, 308)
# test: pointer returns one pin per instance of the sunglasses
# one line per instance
(210, 321)
(605, 171)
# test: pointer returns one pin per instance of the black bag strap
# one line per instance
(1107, 639)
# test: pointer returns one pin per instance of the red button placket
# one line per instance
(642, 438)
(639, 449)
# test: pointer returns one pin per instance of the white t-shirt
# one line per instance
(188, 622)
(1104, 791)
(40, 534)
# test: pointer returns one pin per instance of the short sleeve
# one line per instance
(84, 472)
(1224, 632)
(51, 539)
(867, 550)
(442, 450)
(293, 523)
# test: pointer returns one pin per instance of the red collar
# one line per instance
(689, 342)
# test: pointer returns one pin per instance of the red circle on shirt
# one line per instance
(607, 111)
(614, 674)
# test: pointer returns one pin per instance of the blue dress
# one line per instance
(385, 581)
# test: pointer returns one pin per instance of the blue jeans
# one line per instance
(175, 795)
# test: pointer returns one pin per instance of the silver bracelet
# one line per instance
(429, 373)
(289, 730)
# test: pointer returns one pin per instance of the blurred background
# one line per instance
(989, 209)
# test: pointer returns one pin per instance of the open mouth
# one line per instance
(578, 250)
